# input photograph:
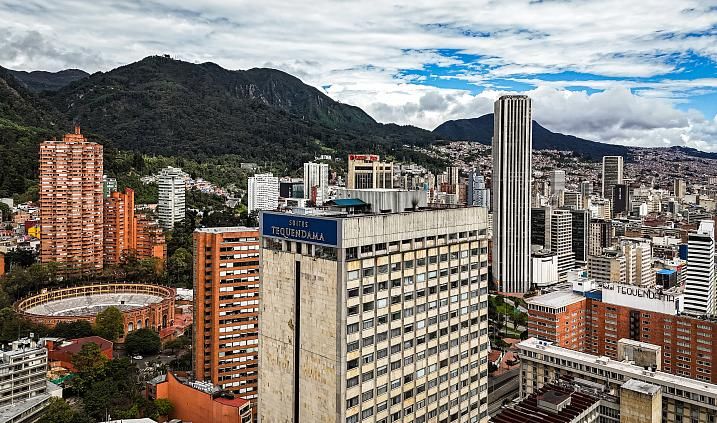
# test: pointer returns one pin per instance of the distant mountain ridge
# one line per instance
(480, 130)
(37, 81)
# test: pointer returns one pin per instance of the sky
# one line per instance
(636, 73)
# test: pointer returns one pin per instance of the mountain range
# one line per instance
(480, 130)
(163, 106)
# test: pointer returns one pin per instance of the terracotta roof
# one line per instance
(76, 344)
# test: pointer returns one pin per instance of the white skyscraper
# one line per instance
(316, 177)
(611, 174)
(171, 207)
(512, 145)
(557, 181)
(263, 192)
(561, 241)
(478, 194)
(700, 284)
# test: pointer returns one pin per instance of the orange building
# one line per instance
(120, 227)
(558, 317)
(61, 351)
(71, 203)
(199, 402)
(127, 233)
(150, 241)
(2, 264)
(226, 306)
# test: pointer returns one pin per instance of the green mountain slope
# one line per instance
(25, 120)
(164, 106)
(47, 81)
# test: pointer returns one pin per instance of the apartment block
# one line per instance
(639, 394)
(172, 196)
(375, 317)
(226, 305)
(120, 229)
(71, 203)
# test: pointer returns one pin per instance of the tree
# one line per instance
(142, 341)
(179, 268)
(164, 406)
(72, 330)
(59, 411)
(90, 365)
(177, 344)
(109, 323)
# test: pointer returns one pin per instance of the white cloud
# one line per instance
(360, 49)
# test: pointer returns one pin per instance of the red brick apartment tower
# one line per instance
(120, 226)
(71, 203)
(226, 308)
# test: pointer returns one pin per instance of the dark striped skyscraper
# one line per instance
(512, 145)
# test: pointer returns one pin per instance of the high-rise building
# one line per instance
(452, 172)
(374, 317)
(150, 241)
(120, 226)
(581, 235)
(71, 203)
(612, 167)
(109, 185)
(601, 236)
(638, 262)
(556, 178)
(367, 171)
(478, 194)
(620, 199)
(263, 192)
(25, 391)
(561, 241)
(572, 200)
(700, 285)
(608, 267)
(172, 190)
(680, 188)
(226, 308)
(540, 218)
(316, 182)
(512, 145)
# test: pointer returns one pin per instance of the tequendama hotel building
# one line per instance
(374, 317)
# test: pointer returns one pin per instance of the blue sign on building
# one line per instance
(313, 230)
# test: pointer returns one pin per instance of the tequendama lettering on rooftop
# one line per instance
(297, 233)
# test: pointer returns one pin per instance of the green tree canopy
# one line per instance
(164, 406)
(142, 341)
(72, 330)
(59, 411)
(109, 323)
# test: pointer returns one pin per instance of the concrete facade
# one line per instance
(512, 172)
(387, 323)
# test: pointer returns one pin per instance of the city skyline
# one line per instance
(593, 69)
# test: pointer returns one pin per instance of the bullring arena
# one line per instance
(142, 305)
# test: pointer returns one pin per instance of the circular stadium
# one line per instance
(142, 305)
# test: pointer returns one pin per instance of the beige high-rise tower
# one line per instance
(71, 203)
(512, 145)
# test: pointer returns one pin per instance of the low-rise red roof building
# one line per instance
(61, 351)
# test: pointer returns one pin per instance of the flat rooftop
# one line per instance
(556, 299)
(641, 387)
(637, 372)
(529, 410)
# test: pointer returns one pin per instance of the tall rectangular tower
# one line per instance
(263, 192)
(512, 145)
(120, 226)
(172, 191)
(700, 289)
(367, 171)
(374, 318)
(226, 306)
(561, 241)
(316, 179)
(612, 167)
(71, 203)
